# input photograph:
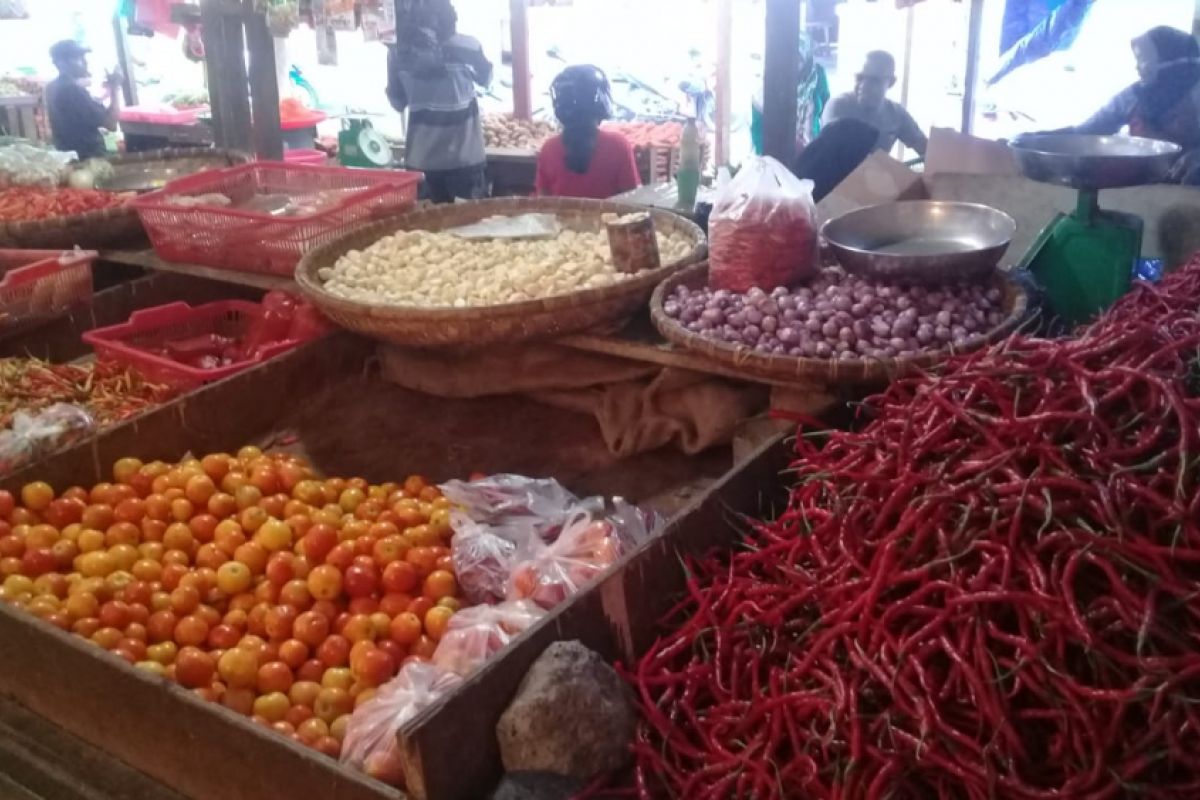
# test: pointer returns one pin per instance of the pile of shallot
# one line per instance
(842, 316)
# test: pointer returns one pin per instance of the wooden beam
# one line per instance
(264, 89)
(974, 44)
(781, 74)
(522, 78)
(124, 62)
(724, 79)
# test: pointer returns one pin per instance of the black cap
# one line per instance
(66, 50)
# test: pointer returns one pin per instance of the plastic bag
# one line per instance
(516, 503)
(547, 574)
(763, 229)
(476, 634)
(523, 226)
(483, 559)
(370, 743)
(39, 433)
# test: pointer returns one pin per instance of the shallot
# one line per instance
(841, 316)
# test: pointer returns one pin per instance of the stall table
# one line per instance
(148, 259)
(141, 136)
(512, 171)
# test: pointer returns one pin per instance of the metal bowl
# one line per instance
(1093, 162)
(921, 241)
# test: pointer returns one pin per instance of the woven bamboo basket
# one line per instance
(512, 322)
(111, 227)
(828, 372)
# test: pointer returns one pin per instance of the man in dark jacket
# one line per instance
(433, 71)
(76, 118)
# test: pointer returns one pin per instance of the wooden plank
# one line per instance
(616, 617)
(971, 83)
(199, 749)
(781, 69)
(229, 94)
(124, 62)
(264, 89)
(522, 78)
(47, 763)
(148, 259)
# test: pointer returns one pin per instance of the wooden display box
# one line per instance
(324, 400)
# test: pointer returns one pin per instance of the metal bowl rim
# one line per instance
(1007, 218)
(1167, 148)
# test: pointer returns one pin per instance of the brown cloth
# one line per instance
(639, 407)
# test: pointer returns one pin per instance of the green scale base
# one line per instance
(1085, 260)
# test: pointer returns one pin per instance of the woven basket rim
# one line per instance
(463, 213)
(793, 369)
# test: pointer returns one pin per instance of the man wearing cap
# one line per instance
(868, 103)
(75, 117)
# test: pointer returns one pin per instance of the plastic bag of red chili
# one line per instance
(763, 229)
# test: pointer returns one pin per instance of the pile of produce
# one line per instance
(841, 316)
(109, 393)
(245, 578)
(503, 131)
(649, 134)
(27, 204)
(25, 164)
(438, 269)
(991, 590)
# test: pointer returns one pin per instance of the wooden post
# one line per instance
(128, 79)
(724, 80)
(264, 89)
(230, 28)
(781, 74)
(522, 79)
(971, 85)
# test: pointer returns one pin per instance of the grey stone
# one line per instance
(572, 715)
(536, 786)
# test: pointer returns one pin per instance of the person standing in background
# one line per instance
(433, 71)
(75, 117)
(584, 160)
(869, 103)
(1165, 102)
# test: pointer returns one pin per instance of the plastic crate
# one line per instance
(306, 156)
(40, 283)
(256, 241)
(133, 343)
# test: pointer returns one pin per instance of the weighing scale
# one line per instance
(360, 145)
(1085, 260)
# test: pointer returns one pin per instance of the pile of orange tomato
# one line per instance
(246, 578)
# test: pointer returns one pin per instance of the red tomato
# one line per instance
(361, 580)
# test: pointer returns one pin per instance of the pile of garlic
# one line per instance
(440, 270)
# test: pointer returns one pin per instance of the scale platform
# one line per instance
(1085, 260)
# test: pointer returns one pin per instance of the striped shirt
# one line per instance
(437, 86)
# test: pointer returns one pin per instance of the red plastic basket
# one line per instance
(39, 283)
(257, 241)
(134, 342)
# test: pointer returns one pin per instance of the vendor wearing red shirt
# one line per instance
(584, 161)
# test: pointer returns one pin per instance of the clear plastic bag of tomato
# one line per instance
(763, 229)
(370, 743)
(548, 574)
(476, 634)
(483, 558)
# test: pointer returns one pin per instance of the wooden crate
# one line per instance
(202, 750)
(616, 617)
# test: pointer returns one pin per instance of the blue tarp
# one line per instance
(1056, 30)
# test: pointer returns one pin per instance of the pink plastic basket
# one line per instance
(135, 343)
(40, 283)
(306, 156)
(257, 241)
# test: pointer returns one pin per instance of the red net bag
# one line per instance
(763, 229)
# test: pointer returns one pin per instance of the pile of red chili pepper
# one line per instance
(27, 203)
(990, 590)
(109, 392)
